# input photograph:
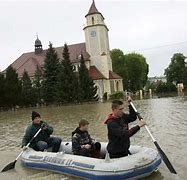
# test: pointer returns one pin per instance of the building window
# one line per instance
(117, 86)
(92, 20)
(74, 68)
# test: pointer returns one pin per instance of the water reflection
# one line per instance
(166, 118)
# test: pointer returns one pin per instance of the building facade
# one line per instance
(95, 51)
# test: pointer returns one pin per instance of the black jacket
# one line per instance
(119, 133)
(80, 138)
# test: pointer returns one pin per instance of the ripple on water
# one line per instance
(166, 119)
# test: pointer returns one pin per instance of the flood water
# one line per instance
(166, 119)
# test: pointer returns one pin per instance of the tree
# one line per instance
(37, 84)
(2, 90)
(137, 70)
(27, 93)
(12, 88)
(132, 68)
(120, 66)
(67, 80)
(87, 86)
(163, 87)
(50, 76)
(177, 69)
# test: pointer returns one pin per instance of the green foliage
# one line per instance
(2, 90)
(177, 69)
(87, 86)
(27, 93)
(12, 88)
(163, 87)
(151, 85)
(132, 68)
(50, 76)
(68, 90)
(137, 71)
(120, 65)
(38, 85)
(117, 95)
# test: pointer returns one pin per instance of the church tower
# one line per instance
(38, 46)
(97, 42)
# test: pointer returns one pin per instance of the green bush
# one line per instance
(117, 95)
(165, 88)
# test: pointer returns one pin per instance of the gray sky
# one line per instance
(156, 29)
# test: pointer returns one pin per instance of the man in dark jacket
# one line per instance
(42, 140)
(118, 129)
(82, 143)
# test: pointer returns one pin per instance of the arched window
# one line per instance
(92, 20)
(117, 86)
(74, 68)
(99, 92)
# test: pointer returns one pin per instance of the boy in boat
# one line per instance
(42, 140)
(82, 143)
(118, 129)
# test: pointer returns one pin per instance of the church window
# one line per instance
(74, 68)
(117, 86)
(92, 20)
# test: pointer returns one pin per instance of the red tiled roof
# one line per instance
(29, 61)
(95, 74)
(113, 75)
(75, 50)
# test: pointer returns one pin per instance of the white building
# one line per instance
(95, 51)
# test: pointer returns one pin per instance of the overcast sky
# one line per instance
(156, 29)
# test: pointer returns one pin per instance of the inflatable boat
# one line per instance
(141, 163)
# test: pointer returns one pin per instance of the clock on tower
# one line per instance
(93, 33)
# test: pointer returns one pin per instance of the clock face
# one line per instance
(93, 33)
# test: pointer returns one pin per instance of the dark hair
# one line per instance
(34, 115)
(116, 103)
(83, 122)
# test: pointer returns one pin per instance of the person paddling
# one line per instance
(118, 129)
(43, 140)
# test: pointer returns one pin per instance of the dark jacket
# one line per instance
(80, 138)
(119, 133)
(32, 130)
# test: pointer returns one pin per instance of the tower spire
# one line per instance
(38, 45)
(93, 10)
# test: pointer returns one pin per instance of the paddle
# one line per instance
(161, 152)
(12, 164)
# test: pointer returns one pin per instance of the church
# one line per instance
(95, 51)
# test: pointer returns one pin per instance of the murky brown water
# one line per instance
(166, 118)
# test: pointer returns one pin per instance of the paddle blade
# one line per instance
(9, 166)
(165, 159)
